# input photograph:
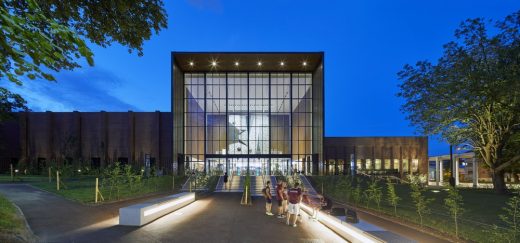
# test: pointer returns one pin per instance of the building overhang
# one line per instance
(247, 61)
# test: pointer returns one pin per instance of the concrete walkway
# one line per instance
(218, 218)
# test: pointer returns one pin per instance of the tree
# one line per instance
(392, 197)
(38, 37)
(455, 206)
(512, 218)
(472, 94)
(419, 200)
(374, 193)
(10, 102)
(356, 192)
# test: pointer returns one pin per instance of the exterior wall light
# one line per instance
(282, 63)
(236, 64)
(304, 63)
(259, 63)
(191, 64)
(213, 63)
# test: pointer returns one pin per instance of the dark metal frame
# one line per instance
(269, 155)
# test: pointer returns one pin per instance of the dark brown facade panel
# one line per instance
(379, 153)
(36, 139)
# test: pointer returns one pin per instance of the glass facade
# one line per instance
(259, 122)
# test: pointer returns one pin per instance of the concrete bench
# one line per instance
(349, 232)
(143, 213)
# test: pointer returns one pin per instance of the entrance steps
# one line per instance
(235, 184)
(257, 184)
(307, 185)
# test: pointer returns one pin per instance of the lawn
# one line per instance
(482, 207)
(12, 226)
(82, 188)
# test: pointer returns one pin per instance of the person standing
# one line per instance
(295, 196)
(268, 198)
(279, 198)
(225, 181)
(285, 198)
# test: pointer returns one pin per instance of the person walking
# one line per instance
(279, 198)
(295, 196)
(225, 181)
(268, 198)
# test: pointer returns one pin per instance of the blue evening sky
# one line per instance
(365, 42)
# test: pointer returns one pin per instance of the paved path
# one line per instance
(218, 218)
(386, 230)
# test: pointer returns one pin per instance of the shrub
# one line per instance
(419, 200)
(392, 198)
(454, 205)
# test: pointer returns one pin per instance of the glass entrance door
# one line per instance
(280, 166)
(259, 166)
(238, 166)
(216, 166)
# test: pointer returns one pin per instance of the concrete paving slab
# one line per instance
(217, 218)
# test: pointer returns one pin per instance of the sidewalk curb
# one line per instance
(27, 226)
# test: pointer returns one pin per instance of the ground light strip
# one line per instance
(327, 220)
(168, 205)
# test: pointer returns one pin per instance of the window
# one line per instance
(415, 165)
(396, 164)
(405, 165)
(388, 164)
(359, 164)
(368, 164)
(377, 164)
(248, 113)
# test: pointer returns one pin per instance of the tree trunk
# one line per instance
(499, 183)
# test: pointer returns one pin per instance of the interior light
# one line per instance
(304, 63)
(259, 63)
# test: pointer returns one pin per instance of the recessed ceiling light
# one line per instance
(213, 63)
(304, 63)
(282, 63)
(236, 64)
(259, 63)
(191, 64)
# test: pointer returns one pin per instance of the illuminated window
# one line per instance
(368, 164)
(415, 165)
(388, 164)
(396, 164)
(377, 164)
(405, 165)
(359, 164)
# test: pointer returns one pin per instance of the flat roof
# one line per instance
(247, 61)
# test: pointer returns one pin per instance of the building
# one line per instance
(39, 139)
(234, 112)
(256, 112)
(376, 155)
